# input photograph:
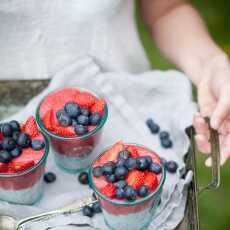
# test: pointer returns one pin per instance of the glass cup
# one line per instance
(24, 187)
(126, 215)
(73, 154)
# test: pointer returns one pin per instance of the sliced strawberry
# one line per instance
(21, 166)
(3, 167)
(109, 190)
(85, 99)
(48, 119)
(136, 178)
(133, 150)
(30, 127)
(111, 154)
(65, 131)
(151, 181)
(99, 106)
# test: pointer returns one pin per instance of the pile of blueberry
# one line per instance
(14, 141)
(164, 136)
(80, 118)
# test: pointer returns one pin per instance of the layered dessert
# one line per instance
(73, 119)
(23, 153)
(128, 181)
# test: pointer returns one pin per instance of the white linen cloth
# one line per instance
(164, 96)
(39, 38)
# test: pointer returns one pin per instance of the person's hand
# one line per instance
(214, 102)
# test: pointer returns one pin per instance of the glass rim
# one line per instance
(89, 134)
(27, 171)
(126, 203)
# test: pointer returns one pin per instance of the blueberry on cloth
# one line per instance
(49, 177)
(88, 211)
(153, 127)
(83, 178)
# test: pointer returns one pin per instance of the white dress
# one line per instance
(38, 38)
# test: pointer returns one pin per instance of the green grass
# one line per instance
(214, 205)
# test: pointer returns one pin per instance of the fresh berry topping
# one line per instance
(153, 127)
(149, 159)
(88, 211)
(120, 162)
(5, 156)
(65, 131)
(111, 178)
(63, 118)
(83, 178)
(98, 107)
(131, 163)
(120, 193)
(96, 207)
(95, 119)
(82, 120)
(133, 151)
(21, 166)
(130, 193)
(97, 171)
(30, 127)
(37, 144)
(143, 191)
(120, 184)
(155, 168)
(171, 166)
(24, 140)
(142, 163)
(164, 135)
(15, 135)
(49, 177)
(109, 190)
(47, 120)
(166, 143)
(85, 100)
(151, 181)
(85, 112)
(16, 152)
(8, 143)
(80, 129)
(121, 172)
(135, 179)
(7, 130)
(15, 126)
(125, 154)
(72, 109)
(108, 168)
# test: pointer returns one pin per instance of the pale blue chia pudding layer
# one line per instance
(27, 196)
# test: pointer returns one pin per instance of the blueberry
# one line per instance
(97, 171)
(15, 126)
(143, 191)
(8, 143)
(164, 135)
(156, 168)
(111, 178)
(131, 163)
(120, 193)
(149, 159)
(74, 122)
(142, 163)
(130, 193)
(120, 184)
(120, 162)
(171, 166)
(83, 178)
(121, 172)
(125, 154)
(72, 109)
(7, 130)
(24, 140)
(16, 152)
(49, 177)
(85, 112)
(95, 119)
(96, 207)
(63, 118)
(166, 143)
(82, 120)
(16, 135)
(37, 144)
(153, 127)
(5, 156)
(87, 211)
(108, 168)
(80, 129)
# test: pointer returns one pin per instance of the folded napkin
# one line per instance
(164, 96)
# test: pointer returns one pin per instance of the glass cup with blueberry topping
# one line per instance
(128, 180)
(73, 119)
(23, 153)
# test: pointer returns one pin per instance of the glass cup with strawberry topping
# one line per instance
(128, 181)
(23, 153)
(73, 119)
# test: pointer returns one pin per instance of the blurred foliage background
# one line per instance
(214, 205)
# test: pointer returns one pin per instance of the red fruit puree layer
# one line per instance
(28, 158)
(150, 179)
